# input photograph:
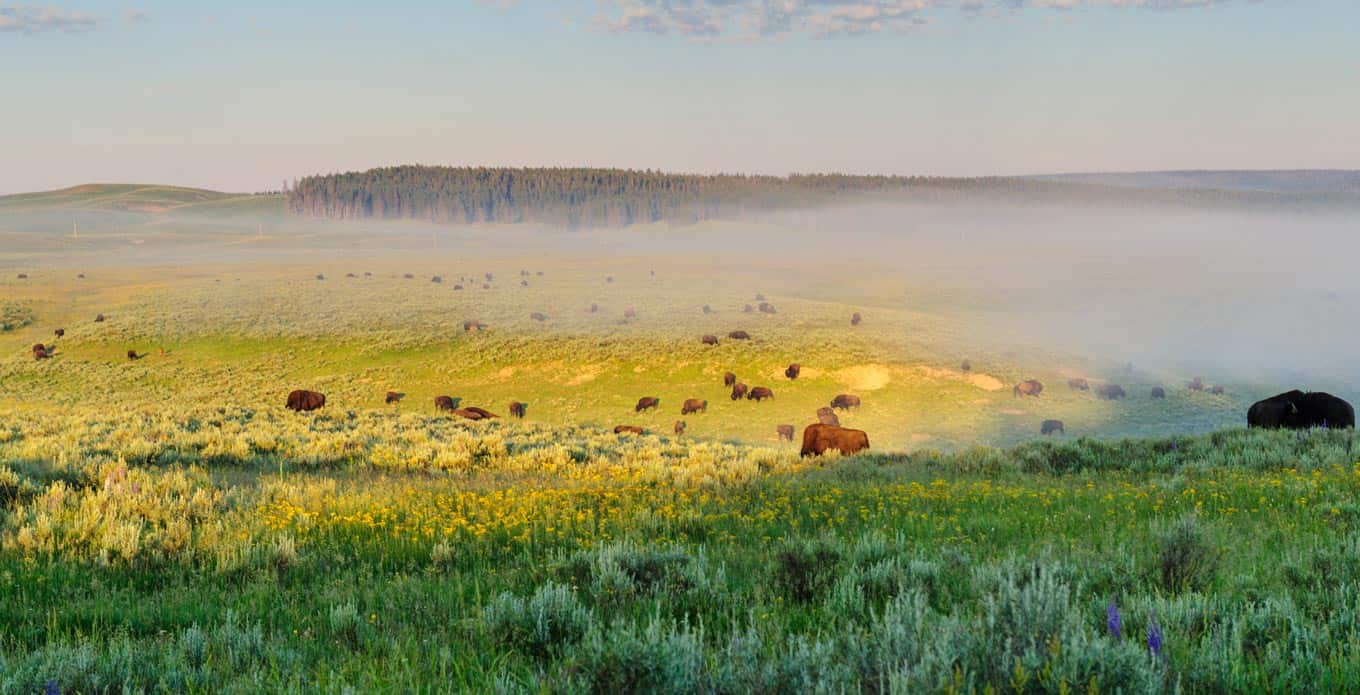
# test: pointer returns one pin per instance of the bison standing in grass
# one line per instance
(473, 326)
(1078, 384)
(446, 402)
(1111, 392)
(647, 403)
(99, 318)
(708, 309)
(59, 332)
(819, 439)
(393, 397)
(1051, 427)
(679, 427)
(966, 366)
(627, 429)
(1157, 392)
(694, 405)
(759, 394)
(856, 319)
(739, 335)
(785, 432)
(1196, 384)
(1029, 387)
(845, 401)
(1296, 410)
(133, 356)
(709, 340)
(41, 352)
(793, 370)
(539, 316)
(1216, 389)
(303, 401)
(518, 409)
(827, 416)
(739, 391)
(729, 379)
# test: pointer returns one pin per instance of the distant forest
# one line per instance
(579, 197)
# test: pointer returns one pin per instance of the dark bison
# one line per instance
(489, 277)
(458, 288)
(759, 394)
(470, 326)
(827, 416)
(1296, 410)
(645, 403)
(99, 318)
(793, 370)
(474, 413)
(523, 273)
(739, 335)
(845, 401)
(1111, 392)
(1078, 384)
(747, 309)
(408, 276)
(132, 355)
(80, 276)
(594, 308)
(708, 309)
(785, 432)
(538, 316)
(729, 378)
(1029, 387)
(739, 391)
(41, 352)
(486, 285)
(1216, 390)
(767, 308)
(446, 402)
(1052, 426)
(694, 405)
(23, 276)
(609, 278)
(709, 340)
(59, 332)
(351, 275)
(760, 297)
(523, 283)
(302, 401)
(436, 280)
(319, 276)
(819, 438)
(627, 429)
(517, 409)
(855, 319)
(1196, 384)
(630, 313)
(679, 427)
(393, 397)
(966, 366)
(1157, 392)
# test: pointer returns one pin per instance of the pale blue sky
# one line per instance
(242, 95)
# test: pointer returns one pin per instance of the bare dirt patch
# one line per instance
(864, 377)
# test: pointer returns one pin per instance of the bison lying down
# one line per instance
(819, 438)
(303, 401)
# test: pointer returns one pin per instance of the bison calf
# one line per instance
(785, 432)
(679, 427)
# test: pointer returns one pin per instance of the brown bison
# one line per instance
(739, 391)
(319, 276)
(80, 276)
(630, 313)
(647, 402)
(966, 366)
(41, 352)
(856, 319)
(627, 429)
(767, 308)
(473, 413)
(539, 273)
(594, 308)
(709, 340)
(1111, 392)
(303, 401)
(523, 273)
(1078, 384)
(1297, 410)
(408, 276)
(1216, 390)
(708, 309)
(351, 275)
(739, 335)
(679, 427)
(486, 286)
(458, 288)
(759, 394)
(446, 402)
(393, 397)
(470, 326)
(437, 280)
(523, 283)
(1196, 384)
(99, 318)
(517, 409)
(23, 276)
(132, 355)
(1158, 392)
(760, 297)
(819, 438)
(747, 309)
(793, 370)
(845, 401)
(1029, 387)
(538, 316)
(59, 332)
(1051, 426)
(827, 416)
(489, 277)
(694, 405)
(785, 432)
(729, 379)
(609, 278)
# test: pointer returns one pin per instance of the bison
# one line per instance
(1157, 392)
(1111, 392)
(538, 316)
(827, 416)
(708, 309)
(819, 438)
(739, 391)
(1052, 426)
(759, 394)
(760, 297)
(486, 285)
(767, 308)
(41, 352)
(319, 276)
(785, 432)
(1196, 384)
(132, 355)
(59, 332)
(523, 283)
(709, 340)
(23, 276)
(1029, 387)
(855, 319)
(517, 409)
(1078, 384)
(739, 335)
(470, 326)
(729, 379)
(594, 308)
(393, 397)
(793, 370)
(630, 313)
(747, 309)
(489, 277)
(609, 278)
(351, 275)
(646, 402)
(966, 366)
(446, 402)
(627, 429)
(1216, 390)
(679, 427)
(1297, 410)
(694, 405)
(457, 288)
(99, 318)
(437, 280)
(845, 401)
(473, 413)
(302, 401)
(409, 276)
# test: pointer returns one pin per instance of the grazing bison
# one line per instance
(408, 276)
(458, 288)
(594, 308)
(303, 401)
(1157, 392)
(1297, 410)
(437, 280)
(630, 313)
(767, 308)
(80, 276)
(470, 326)
(132, 355)
(708, 309)
(759, 394)
(739, 335)
(368, 274)
(827, 416)
(966, 366)
(709, 340)
(59, 332)
(539, 273)
(1196, 384)
(819, 438)
(489, 277)
(785, 432)
(1078, 384)
(679, 427)
(486, 286)
(694, 405)
(845, 401)
(1051, 426)
(1029, 387)
(523, 273)
(739, 391)
(760, 297)
(647, 402)
(1216, 390)
(747, 309)
(1111, 392)
(538, 316)
(23, 276)
(729, 378)
(517, 409)
(41, 352)
(99, 318)
(319, 276)
(446, 402)
(523, 283)
(393, 397)
(474, 413)
(793, 370)
(609, 278)
(351, 275)
(627, 429)
(856, 319)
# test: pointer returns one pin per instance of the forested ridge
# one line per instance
(585, 197)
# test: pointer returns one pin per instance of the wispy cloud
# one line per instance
(28, 19)
(136, 15)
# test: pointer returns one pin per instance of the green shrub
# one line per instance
(550, 620)
(1186, 557)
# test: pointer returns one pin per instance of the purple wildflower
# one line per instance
(50, 688)
(1155, 637)
(1112, 620)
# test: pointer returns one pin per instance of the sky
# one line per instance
(245, 95)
